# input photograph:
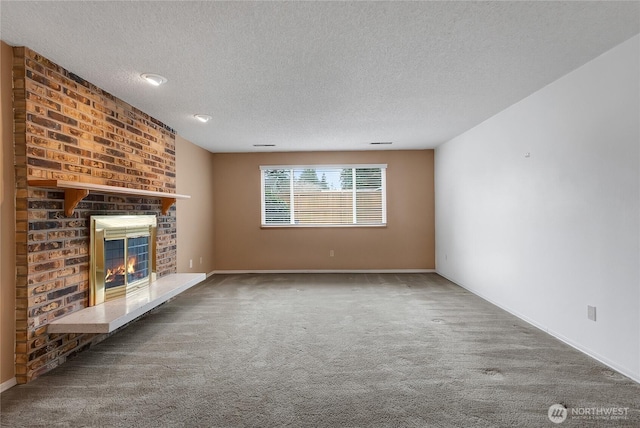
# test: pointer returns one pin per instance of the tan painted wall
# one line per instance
(7, 220)
(407, 242)
(194, 177)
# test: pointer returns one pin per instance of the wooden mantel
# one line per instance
(75, 191)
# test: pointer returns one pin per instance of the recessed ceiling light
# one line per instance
(204, 118)
(380, 143)
(264, 145)
(154, 79)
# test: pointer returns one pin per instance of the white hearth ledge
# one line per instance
(109, 316)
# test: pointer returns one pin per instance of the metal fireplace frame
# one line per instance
(116, 227)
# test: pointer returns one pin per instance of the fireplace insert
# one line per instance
(122, 255)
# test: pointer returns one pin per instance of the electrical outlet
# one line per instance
(331, 253)
(190, 263)
(200, 260)
(591, 312)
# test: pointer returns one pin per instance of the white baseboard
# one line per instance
(633, 376)
(8, 384)
(595, 356)
(232, 272)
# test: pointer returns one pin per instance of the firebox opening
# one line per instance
(114, 263)
(137, 258)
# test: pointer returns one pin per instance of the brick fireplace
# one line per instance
(68, 129)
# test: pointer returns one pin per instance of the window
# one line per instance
(324, 195)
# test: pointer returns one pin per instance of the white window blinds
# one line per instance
(324, 195)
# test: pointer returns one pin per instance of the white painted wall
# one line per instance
(546, 235)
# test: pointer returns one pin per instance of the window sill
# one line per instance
(321, 226)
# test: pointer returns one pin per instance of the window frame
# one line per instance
(291, 168)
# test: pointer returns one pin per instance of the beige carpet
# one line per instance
(324, 350)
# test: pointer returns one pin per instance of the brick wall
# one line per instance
(68, 129)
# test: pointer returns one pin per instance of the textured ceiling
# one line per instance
(320, 75)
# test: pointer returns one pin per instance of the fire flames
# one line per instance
(112, 274)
